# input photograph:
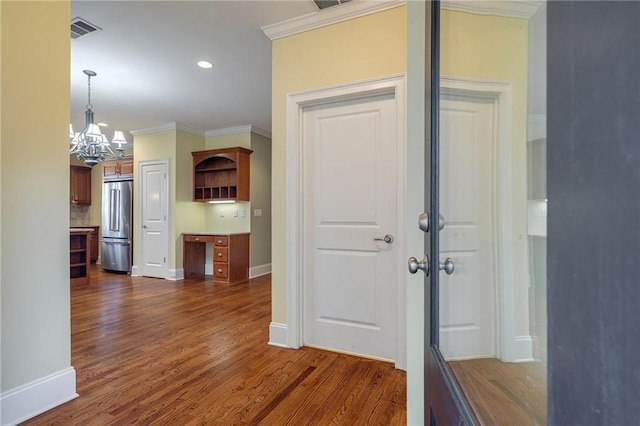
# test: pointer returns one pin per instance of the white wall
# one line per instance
(416, 28)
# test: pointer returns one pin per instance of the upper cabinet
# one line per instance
(80, 185)
(118, 170)
(221, 174)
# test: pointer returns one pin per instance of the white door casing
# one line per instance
(349, 288)
(296, 104)
(154, 194)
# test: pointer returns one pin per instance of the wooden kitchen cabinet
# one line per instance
(118, 169)
(221, 174)
(93, 240)
(79, 257)
(230, 256)
(80, 185)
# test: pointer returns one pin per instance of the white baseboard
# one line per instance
(278, 335)
(208, 269)
(521, 349)
(35, 398)
(134, 271)
(256, 271)
(176, 274)
(99, 260)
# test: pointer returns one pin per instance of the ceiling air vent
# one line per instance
(80, 27)
(323, 4)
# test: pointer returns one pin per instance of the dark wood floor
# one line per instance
(504, 393)
(156, 352)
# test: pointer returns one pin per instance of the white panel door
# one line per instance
(350, 198)
(154, 248)
(467, 299)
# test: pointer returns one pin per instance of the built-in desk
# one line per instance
(230, 255)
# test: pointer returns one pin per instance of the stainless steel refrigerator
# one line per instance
(117, 229)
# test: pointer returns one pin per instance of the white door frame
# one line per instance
(296, 102)
(140, 244)
(509, 346)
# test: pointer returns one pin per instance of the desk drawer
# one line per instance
(220, 254)
(221, 241)
(220, 270)
(198, 238)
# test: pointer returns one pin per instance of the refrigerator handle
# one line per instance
(114, 214)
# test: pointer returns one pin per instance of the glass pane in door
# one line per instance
(492, 307)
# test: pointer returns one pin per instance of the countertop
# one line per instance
(80, 230)
(216, 233)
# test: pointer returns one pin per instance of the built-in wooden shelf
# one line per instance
(221, 174)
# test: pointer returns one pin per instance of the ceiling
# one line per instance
(145, 59)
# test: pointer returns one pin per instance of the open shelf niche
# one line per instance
(221, 174)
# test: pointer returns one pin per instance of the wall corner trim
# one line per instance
(524, 9)
(134, 271)
(259, 270)
(278, 335)
(328, 16)
(176, 274)
(35, 398)
(172, 125)
(238, 129)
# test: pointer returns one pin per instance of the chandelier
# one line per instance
(90, 145)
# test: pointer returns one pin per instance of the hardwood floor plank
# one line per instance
(156, 352)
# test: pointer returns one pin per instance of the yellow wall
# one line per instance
(189, 215)
(367, 47)
(260, 199)
(228, 223)
(496, 48)
(34, 168)
(155, 146)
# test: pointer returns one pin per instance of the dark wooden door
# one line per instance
(593, 232)
(594, 212)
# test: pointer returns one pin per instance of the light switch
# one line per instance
(257, 212)
(221, 212)
(243, 213)
(235, 212)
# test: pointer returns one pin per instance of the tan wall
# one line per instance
(367, 47)
(260, 183)
(34, 170)
(260, 199)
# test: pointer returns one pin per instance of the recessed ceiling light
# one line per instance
(103, 125)
(205, 64)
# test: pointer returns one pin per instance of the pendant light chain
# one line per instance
(89, 106)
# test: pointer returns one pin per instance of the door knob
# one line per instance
(447, 266)
(415, 264)
(387, 239)
(423, 222)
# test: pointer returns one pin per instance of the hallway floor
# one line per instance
(156, 352)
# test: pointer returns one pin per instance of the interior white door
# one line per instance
(467, 297)
(154, 248)
(350, 198)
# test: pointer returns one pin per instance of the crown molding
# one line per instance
(329, 16)
(172, 125)
(507, 8)
(238, 129)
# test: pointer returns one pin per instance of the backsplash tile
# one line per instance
(80, 215)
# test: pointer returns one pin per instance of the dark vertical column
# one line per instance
(593, 162)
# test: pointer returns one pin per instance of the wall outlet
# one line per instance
(257, 212)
